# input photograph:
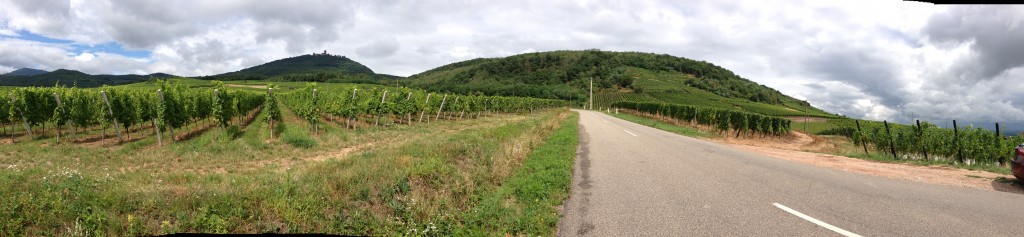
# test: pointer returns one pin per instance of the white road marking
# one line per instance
(627, 131)
(816, 221)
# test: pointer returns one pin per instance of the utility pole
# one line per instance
(591, 93)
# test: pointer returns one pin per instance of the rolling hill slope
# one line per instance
(70, 78)
(616, 76)
(310, 67)
(25, 72)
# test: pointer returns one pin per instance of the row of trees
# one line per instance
(721, 119)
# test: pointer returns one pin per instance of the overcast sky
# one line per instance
(876, 60)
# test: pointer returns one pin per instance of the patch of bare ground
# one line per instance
(803, 148)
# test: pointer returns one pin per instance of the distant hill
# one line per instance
(25, 72)
(616, 76)
(69, 78)
(310, 67)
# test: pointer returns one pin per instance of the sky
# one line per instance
(879, 60)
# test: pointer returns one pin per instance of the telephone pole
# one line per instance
(591, 93)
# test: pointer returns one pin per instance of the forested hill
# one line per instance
(70, 78)
(565, 74)
(310, 67)
(616, 76)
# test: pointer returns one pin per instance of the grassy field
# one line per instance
(497, 175)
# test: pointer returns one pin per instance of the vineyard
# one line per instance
(177, 112)
(74, 111)
(721, 119)
(926, 141)
(606, 99)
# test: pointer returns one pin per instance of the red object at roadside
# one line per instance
(1016, 167)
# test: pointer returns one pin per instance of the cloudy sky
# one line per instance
(878, 60)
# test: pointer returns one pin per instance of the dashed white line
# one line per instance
(816, 221)
(627, 131)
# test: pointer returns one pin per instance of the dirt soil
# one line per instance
(800, 147)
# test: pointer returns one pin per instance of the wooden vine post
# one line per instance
(70, 125)
(270, 94)
(350, 118)
(956, 142)
(999, 144)
(456, 103)
(425, 109)
(111, 112)
(23, 120)
(379, 108)
(441, 108)
(408, 114)
(920, 137)
(315, 127)
(169, 127)
(892, 148)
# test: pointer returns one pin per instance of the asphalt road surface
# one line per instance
(633, 180)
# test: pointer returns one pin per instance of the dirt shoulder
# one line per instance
(796, 147)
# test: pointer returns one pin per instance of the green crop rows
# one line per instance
(723, 120)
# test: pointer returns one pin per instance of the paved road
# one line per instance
(633, 180)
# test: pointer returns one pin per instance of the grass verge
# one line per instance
(685, 131)
(527, 204)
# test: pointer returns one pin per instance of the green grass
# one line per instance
(812, 127)
(685, 131)
(369, 181)
(528, 202)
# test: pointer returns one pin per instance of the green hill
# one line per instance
(69, 78)
(25, 72)
(616, 76)
(310, 67)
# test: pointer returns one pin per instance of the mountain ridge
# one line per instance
(68, 77)
(25, 72)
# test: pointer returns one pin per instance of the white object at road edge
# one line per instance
(816, 221)
(627, 131)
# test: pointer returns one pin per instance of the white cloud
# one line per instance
(85, 57)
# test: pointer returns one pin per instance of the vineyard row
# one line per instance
(721, 119)
(928, 141)
(172, 106)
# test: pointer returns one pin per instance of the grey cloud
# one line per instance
(868, 71)
(144, 24)
(379, 48)
(815, 86)
(996, 33)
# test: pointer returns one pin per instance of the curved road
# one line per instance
(633, 180)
